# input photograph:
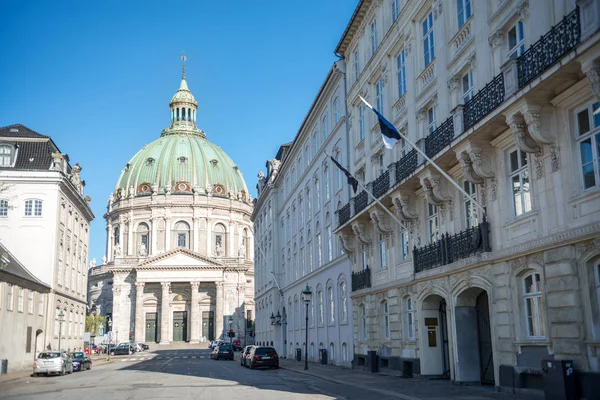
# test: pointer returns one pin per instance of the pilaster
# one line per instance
(195, 313)
(219, 310)
(164, 313)
(139, 312)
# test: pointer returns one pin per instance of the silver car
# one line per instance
(53, 362)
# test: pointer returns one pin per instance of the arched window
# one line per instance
(310, 252)
(385, 320)
(312, 351)
(410, 319)
(534, 307)
(326, 181)
(321, 310)
(336, 110)
(343, 303)
(319, 240)
(143, 239)
(331, 355)
(329, 237)
(345, 352)
(301, 266)
(331, 301)
(178, 114)
(220, 240)
(363, 322)
(181, 234)
(245, 240)
(116, 235)
(325, 127)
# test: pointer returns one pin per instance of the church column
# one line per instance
(130, 238)
(164, 313)
(154, 244)
(195, 314)
(167, 234)
(232, 251)
(219, 308)
(139, 312)
(195, 235)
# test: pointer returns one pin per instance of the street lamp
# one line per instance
(307, 295)
(61, 318)
(230, 322)
(109, 323)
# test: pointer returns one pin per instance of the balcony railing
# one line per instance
(488, 98)
(344, 214)
(561, 39)
(361, 280)
(439, 138)
(451, 248)
(361, 201)
(381, 184)
(406, 165)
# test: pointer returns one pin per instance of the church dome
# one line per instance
(182, 160)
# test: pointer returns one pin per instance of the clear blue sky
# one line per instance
(98, 76)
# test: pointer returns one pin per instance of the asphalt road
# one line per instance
(181, 375)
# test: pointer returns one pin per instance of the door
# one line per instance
(151, 327)
(444, 340)
(486, 355)
(208, 323)
(180, 326)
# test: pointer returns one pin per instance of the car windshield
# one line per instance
(264, 351)
(54, 354)
(78, 355)
(225, 347)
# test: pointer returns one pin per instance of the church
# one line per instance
(179, 264)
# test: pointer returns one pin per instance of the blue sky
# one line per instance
(98, 76)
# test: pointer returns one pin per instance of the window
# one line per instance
(182, 234)
(588, 127)
(5, 156)
(310, 253)
(33, 208)
(20, 300)
(220, 240)
(331, 304)
(3, 208)
(534, 308)
(394, 10)
(319, 247)
(431, 120)
(116, 237)
(363, 258)
(467, 86)
(356, 64)
(519, 178)
(307, 152)
(336, 111)
(325, 127)
(428, 45)
(30, 302)
(380, 95)
(326, 180)
(361, 122)
(373, 37)
(382, 254)
(340, 174)
(363, 322)
(143, 239)
(317, 194)
(401, 64)
(380, 164)
(343, 303)
(9, 297)
(516, 40)
(385, 320)
(331, 355)
(471, 218)
(404, 243)
(60, 264)
(320, 304)
(463, 11)
(344, 352)
(40, 305)
(433, 222)
(410, 327)
(308, 202)
(329, 243)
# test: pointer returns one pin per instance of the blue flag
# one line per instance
(389, 133)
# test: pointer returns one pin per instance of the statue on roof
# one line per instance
(76, 178)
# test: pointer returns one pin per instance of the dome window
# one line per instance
(214, 162)
(149, 161)
(182, 160)
(219, 190)
(145, 188)
(182, 187)
(127, 166)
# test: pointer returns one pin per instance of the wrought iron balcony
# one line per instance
(344, 214)
(451, 248)
(440, 138)
(406, 165)
(361, 280)
(561, 39)
(381, 184)
(360, 202)
(488, 98)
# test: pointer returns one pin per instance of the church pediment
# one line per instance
(181, 258)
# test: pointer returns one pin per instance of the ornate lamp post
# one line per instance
(61, 319)
(307, 297)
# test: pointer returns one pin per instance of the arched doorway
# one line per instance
(435, 355)
(475, 364)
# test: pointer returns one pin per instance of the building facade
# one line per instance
(296, 247)
(42, 205)
(476, 288)
(178, 265)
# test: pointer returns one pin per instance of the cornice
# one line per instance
(181, 250)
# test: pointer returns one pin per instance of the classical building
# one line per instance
(503, 96)
(42, 206)
(295, 245)
(178, 264)
(23, 301)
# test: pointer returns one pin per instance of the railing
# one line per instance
(361, 280)
(488, 98)
(381, 184)
(439, 138)
(561, 39)
(344, 214)
(451, 248)
(361, 201)
(406, 165)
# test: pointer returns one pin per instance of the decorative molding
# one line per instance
(378, 222)
(478, 165)
(592, 71)
(195, 285)
(140, 285)
(496, 39)
(538, 161)
(520, 136)
(433, 191)
(359, 231)
(494, 188)
(554, 160)
(532, 119)
(401, 202)
(346, 243)
(523, 9)
(467, 168)
(453, 82)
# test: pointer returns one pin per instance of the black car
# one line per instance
(263, 356)
(122, 349)
(224, 351)
(81, 361)
(244, 354)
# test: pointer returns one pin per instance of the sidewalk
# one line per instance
(389, 385)
(13, 376)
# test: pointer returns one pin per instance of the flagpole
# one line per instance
(472, 198)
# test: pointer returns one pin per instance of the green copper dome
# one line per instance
(182, 160)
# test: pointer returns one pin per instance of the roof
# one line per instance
(34, 151)
(10, 265)
(20, 131)
(352, 27)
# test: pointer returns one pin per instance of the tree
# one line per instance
(92, 323)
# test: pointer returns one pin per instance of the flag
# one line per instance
(351, 180)
(389, 134)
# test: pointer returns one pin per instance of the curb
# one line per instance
(15, 378)
(325, 378)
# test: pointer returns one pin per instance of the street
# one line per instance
(182, 374)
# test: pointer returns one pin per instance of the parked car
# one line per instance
(263, 356)
(53, 362)
(121, 349)
(237, 345)
(144, 346)
(244, 354)
(81, 361)
(224, 351)
(134, 346)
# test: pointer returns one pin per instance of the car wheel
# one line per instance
(62, 371)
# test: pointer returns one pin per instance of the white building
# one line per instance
(510, 117)
(44, 223)
(294, 221)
